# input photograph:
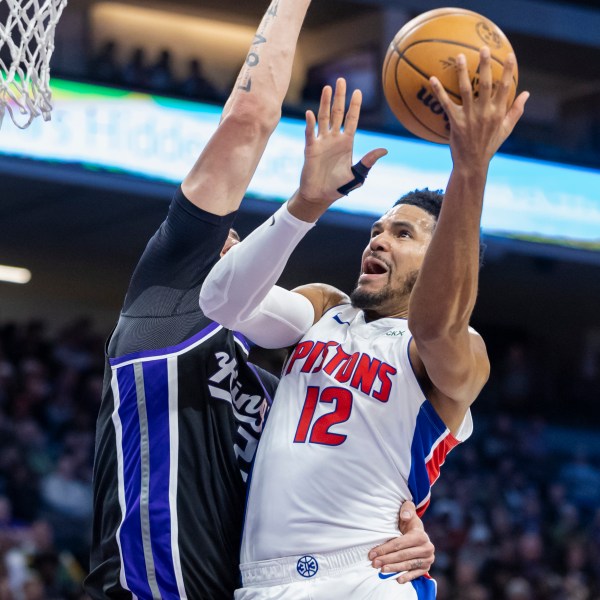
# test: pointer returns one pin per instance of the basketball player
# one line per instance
(182, 408)
(378, 387)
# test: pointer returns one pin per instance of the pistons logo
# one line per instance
(307, 566)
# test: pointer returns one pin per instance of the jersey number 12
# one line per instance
(320, 433)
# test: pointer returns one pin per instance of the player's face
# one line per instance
(391, 261)
(232, 239)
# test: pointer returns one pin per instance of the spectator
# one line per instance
(518, 589)
(517, 384)
(135, 73)
(582, 480)
(104, 66)
(197, 86)
(160, 75)
(64, 494)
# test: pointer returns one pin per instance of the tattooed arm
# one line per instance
(219, 179)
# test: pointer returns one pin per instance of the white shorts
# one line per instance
(342, 575)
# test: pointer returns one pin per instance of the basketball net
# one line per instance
(26, 46)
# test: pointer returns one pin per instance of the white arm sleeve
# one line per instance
(240, 292)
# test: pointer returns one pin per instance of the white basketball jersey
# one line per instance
(350, 436)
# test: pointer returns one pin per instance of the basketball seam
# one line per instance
(424, 75)
(462, 44)
(466, 12)
(416, 118)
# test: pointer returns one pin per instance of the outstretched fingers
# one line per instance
(325, 109)
(311, 122)
(370, 158)
(441, 95)
(353, 114)
(504, 85)
(516, 111)
(485, 75)
(465, 86)
(339, 105)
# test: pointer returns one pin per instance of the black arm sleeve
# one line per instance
(177, 258)
(161, 307)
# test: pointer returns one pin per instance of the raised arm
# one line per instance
(219, 179)
(240, 291)
(452, 356)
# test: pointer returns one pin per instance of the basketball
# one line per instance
(428, 45)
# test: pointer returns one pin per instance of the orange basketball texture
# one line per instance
(428, 45)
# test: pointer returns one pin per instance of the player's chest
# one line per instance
(331, 387)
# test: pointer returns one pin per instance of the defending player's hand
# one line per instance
(411, 554)
(328, 150)
(481, 125)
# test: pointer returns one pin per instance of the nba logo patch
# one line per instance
(307, 566)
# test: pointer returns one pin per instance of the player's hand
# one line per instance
(328, 149)
(481, 125)
(411, 554)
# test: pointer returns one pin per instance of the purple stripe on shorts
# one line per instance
(156, 386)
(130, 535)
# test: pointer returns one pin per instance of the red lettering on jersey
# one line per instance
(336, 361)
(384, 374)
(324, 356)
(308, 411)
(365, 373)
(343, 407)
(313, 356)
(344, 373)
(302, 350)
(357, 370)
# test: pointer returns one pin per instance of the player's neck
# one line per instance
(398, 311)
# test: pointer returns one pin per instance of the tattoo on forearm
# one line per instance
(253, 57)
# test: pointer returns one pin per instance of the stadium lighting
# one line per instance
(14, 274)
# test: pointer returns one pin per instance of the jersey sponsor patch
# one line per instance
(395, 332)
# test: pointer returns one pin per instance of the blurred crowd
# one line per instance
(49, 397)
(572, 138)
(514, 516)
(514, 520)
(141, 73)
(157, 74)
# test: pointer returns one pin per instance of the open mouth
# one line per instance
(373, 267)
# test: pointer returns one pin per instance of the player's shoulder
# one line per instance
(323, 297)
(332, 296)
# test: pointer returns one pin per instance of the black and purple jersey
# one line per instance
(180, 419)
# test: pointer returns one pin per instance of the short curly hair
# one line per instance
(431, 202)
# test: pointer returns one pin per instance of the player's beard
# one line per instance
(373, 300)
